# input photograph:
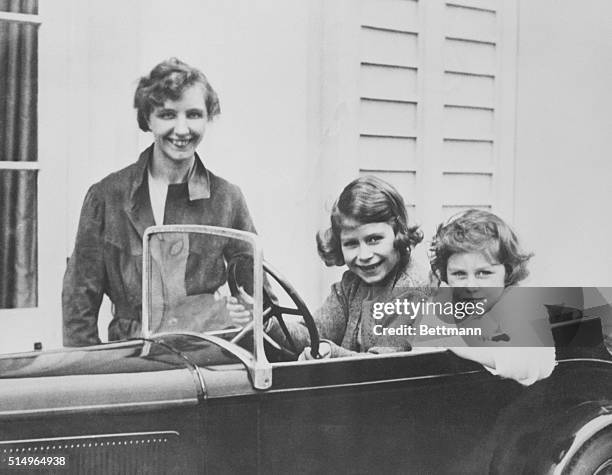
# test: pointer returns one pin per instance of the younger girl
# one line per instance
(478, 255)
(371, 235)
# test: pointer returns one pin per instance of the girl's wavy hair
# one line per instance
(167, 81)
(478, 231)
(366, 200)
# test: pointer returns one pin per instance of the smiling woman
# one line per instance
(178, 127)
(168, 184)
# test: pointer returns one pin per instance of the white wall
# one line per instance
(261, 57)
(563, 189)
(289, 97)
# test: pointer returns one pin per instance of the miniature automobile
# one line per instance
(229, 400)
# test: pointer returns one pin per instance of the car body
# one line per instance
(189, 402)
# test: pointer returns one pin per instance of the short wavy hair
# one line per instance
(366, 200)
(167, 81)
(476, 230)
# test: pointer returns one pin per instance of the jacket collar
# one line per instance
(139, 204)
(198, 181)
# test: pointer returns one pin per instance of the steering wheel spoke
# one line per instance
(273, 310)
(240, 335)
(289, 311)
(268, 313)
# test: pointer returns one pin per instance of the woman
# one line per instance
(168, 184)
(370, 234)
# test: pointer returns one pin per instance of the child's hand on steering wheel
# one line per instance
(324, 352)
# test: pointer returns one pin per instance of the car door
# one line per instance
(406, 413)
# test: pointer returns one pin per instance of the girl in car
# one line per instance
(370, 233)
(479, 257)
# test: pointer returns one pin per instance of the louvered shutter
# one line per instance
(436, 116)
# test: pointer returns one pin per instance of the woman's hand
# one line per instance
(324, 352)
(237, 312)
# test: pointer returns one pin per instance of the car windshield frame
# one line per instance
(256, 363)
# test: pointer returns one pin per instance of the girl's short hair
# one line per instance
(479, 231)
(167, 81)
(368, 199)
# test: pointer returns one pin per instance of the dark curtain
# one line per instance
(18, 143)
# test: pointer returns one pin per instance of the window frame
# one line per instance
(30, 19)
(42, 323)
(36, 20)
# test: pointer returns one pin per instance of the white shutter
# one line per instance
(436, 115)
(388, 82)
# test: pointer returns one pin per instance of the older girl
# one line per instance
(370, 233)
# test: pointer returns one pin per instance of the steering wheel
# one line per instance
(270, 307)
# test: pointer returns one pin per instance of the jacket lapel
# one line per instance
(141, 216)
(138, 207)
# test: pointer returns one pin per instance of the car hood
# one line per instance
(124, 376)
(134, 356)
